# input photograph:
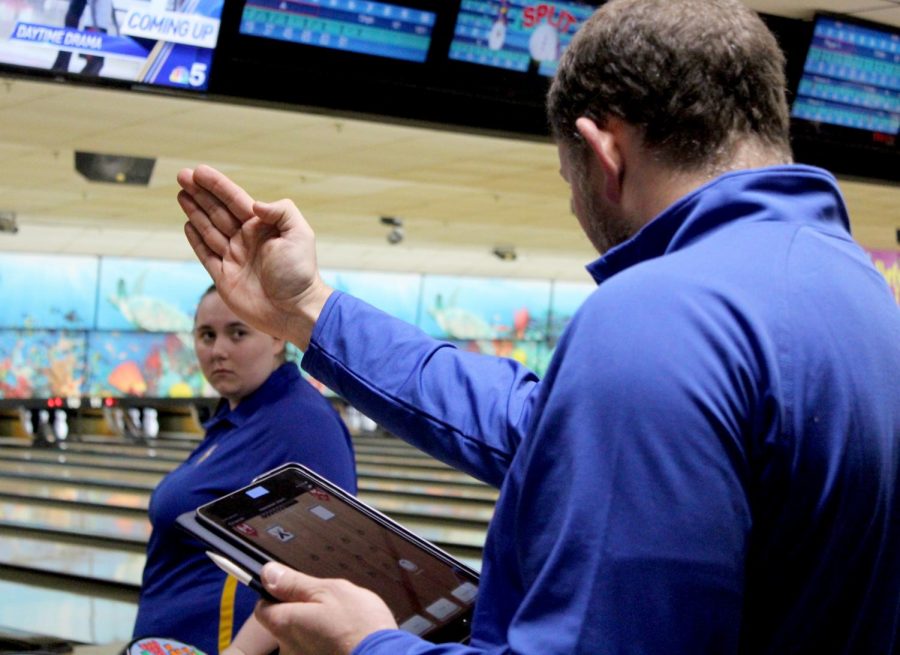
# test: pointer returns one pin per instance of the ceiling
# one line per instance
(458, 194)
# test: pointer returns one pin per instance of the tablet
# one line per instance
(294, 516)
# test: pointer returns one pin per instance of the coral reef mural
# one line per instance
(484, 308)
(42, 363)
(888, 264)
(155, 365)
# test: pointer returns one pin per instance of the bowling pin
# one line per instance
(151, 422)
(60, 424)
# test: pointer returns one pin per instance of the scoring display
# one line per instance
(851, 77)
(372, 28)
(517, 35)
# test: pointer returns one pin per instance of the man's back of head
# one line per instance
(699, 78)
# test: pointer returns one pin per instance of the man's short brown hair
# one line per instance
(696, 76)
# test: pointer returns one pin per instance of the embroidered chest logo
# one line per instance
(205, 455)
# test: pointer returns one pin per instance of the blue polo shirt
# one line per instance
(184, 596)
(711, 465)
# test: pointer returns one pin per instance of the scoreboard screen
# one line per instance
(517, 35)
(851, 77)
(369, 28)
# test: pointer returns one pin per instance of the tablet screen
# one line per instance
(293, 518)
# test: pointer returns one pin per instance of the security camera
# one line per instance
(8, 222)
(395, 236)
(505, 253)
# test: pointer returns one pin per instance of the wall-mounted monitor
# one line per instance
(158, 42)
(369, 28)
(517, 35)
(851, 81)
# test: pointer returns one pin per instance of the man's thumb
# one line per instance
(285, 583)
(280, 213)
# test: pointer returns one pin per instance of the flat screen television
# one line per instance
(516, 35)
(156, 42)
(849, 89)
(358, 26)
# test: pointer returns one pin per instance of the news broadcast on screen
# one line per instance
(158, 42)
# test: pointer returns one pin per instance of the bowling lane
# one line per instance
(431, 498)
(383, 439)
(119, 478)
(85, 459)
(414, 462)
(151, 459)
(184, 441)
(394, 450)
(93, 562)
(66, 491)
(458, 540)
(65, 613)
(120, 449)
(56, 469)
(480, 493)
(87, 522)
(101, 523)
(447, 536)
(402, 473)
(436, 509)
(433, 505)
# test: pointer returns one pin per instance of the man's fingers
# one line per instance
(237, 201)
(211, 262)
(222, 217)
(185, 179)
(282, 619)
(211, 236)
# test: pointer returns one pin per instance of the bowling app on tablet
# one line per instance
(296, 517)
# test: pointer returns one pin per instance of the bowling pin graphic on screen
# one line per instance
(497, 33)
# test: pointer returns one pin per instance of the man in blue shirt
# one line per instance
(711, 464)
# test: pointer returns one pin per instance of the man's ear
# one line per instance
(606, 147)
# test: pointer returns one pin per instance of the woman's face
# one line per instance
(235, 358)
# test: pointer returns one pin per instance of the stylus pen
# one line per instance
(242, 575)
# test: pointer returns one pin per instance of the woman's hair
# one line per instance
(696, 76)
(210, 289)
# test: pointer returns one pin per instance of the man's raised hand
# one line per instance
(261, 256)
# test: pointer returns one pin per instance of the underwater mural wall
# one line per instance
(108, 326)
(888, 264)
(42, 363)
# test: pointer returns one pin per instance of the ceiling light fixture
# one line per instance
(117, 169)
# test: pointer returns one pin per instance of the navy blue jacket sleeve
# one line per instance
(465, 409)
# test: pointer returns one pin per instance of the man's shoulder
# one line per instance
(675, 306)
